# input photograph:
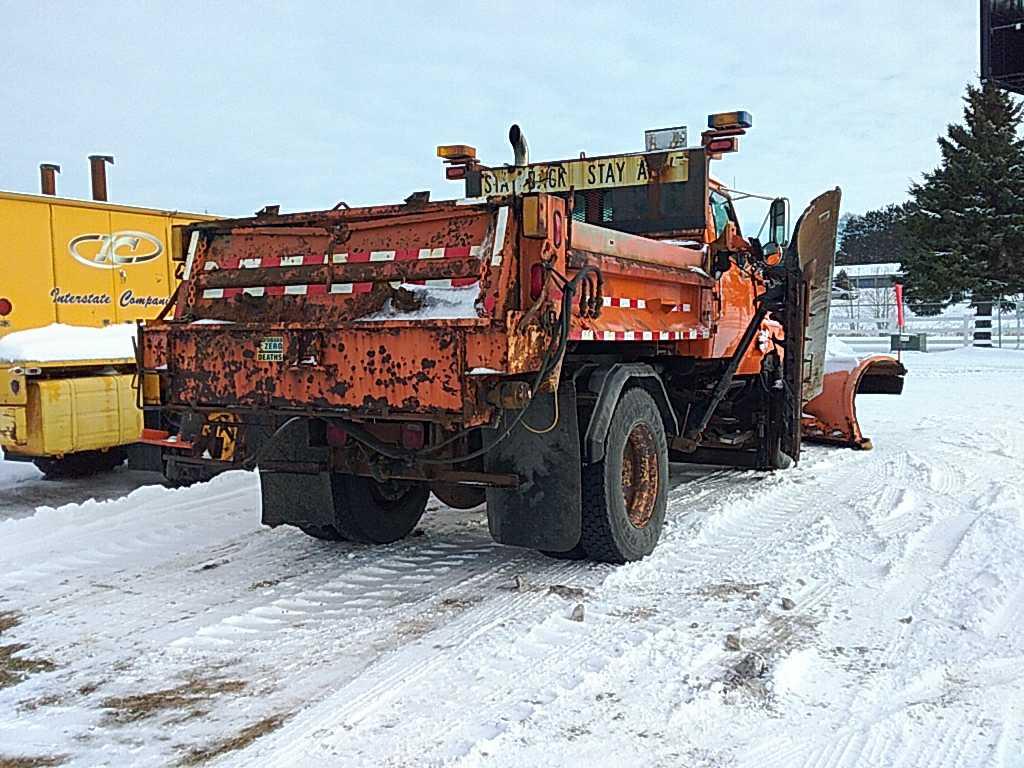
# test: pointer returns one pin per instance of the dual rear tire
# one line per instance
(372, 512)
(624, 495)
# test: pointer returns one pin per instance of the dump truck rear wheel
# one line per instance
(624, 494)
(81, 464)
(374, 512)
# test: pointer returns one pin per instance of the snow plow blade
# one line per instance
(831, 416)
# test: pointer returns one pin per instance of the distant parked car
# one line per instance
(844, 294)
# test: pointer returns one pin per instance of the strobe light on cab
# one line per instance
(725, 128)
(730, 120)
(459, 159)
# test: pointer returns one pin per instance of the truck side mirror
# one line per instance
(778, 221)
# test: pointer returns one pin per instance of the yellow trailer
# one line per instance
(77, 263)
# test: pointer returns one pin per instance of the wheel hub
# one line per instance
(640, 475)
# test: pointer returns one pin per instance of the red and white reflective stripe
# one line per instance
(353, 257)
(624, 303)
(686, 335)
(621, 302)
(453, 282)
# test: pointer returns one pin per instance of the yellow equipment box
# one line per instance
(68, 415)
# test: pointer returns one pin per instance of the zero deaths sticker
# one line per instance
(271, 349)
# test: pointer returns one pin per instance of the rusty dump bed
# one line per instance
(412, 310)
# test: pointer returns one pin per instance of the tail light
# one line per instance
(412, 436)
(6, 307)
(536, 281)
(336, 435)
(716, 146)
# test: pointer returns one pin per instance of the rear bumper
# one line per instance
(380, 369)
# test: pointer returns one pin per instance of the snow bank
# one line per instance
(68, 342)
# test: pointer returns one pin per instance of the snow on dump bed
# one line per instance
(435, 303)
(68, 342)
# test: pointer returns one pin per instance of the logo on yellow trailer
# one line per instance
(118, 249)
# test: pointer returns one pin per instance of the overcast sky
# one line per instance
(225, 107)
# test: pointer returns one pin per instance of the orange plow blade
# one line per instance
(831, 416)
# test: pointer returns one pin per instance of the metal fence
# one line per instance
(870, 317)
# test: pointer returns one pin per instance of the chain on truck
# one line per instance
(545, 345)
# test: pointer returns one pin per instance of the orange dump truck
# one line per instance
(544, 345)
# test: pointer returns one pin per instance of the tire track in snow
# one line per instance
(571, 653)
(923, 562)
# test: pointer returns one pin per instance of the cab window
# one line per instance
(721, 211)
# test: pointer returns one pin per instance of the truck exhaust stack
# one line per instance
(48, 178)
(519, 146)
(98, 172)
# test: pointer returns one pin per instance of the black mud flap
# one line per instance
(293, 498)
(544, 511)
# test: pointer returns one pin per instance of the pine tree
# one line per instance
(877, 237)
(967, 216)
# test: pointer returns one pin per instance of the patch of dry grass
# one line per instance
(43, 761)
(8, 620)
(14, 668)
(189, 698)
(241, 740)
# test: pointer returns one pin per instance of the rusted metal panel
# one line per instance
(622, 245)
(153, 347)
(378, 370)
(336, 266)
(646, 302)
(326, 274)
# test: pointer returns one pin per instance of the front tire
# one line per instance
(372, 512)
(625, 494)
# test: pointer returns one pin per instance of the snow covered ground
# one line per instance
(863, 609)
